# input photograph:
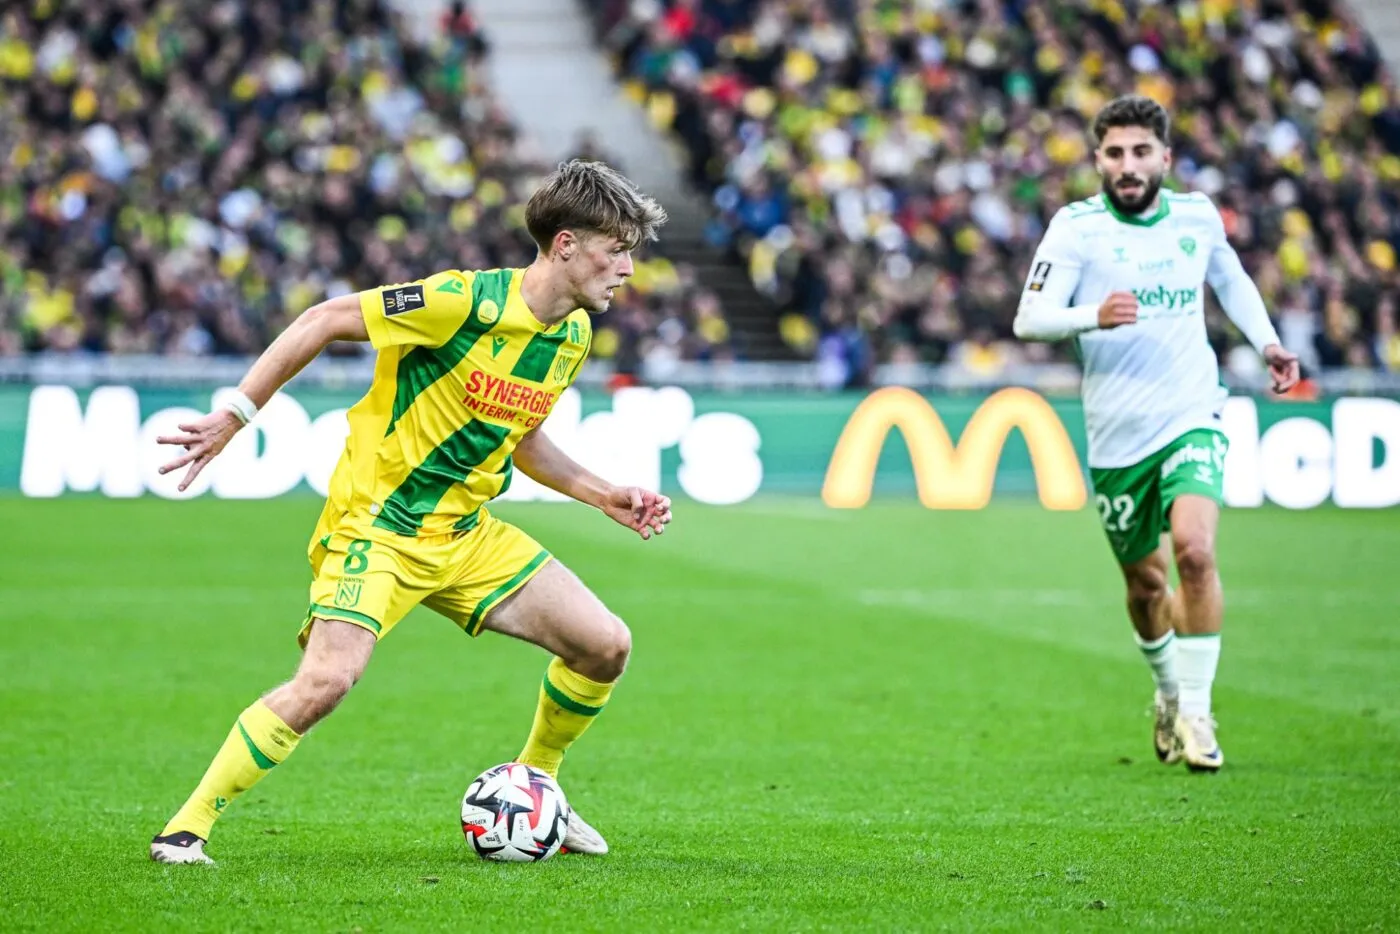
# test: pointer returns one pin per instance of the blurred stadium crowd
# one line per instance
(886, 168)
(184, 179)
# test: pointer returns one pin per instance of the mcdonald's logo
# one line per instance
(948, 475)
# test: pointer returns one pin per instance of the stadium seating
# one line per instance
(186, 179)
(885, 169)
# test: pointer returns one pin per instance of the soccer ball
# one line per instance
(515, 813)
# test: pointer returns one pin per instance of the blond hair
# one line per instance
(590, 197)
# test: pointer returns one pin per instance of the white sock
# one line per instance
(1197, 656)
(1161, 656)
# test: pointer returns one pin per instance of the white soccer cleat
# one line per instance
(180, 849)
(582, 838)
(1164, 738)
(1198, 744)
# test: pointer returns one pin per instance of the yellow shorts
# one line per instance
(372, 577)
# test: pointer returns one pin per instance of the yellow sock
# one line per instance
(257, 742)
(569, 702)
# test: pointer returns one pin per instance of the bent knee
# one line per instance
(1147, 586)
(610, 650)
(1195, 560)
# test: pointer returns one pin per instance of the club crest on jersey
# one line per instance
(488, 311)
(1188, 245)
(347, 593)
(562, 363)
(1120, 254)
(401, 299)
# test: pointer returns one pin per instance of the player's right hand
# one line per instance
(1118, 309)
(202, 440)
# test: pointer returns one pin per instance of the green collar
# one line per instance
(1139, 220)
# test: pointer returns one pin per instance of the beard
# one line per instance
(1134, 204)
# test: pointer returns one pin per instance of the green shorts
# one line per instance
(1134, 502)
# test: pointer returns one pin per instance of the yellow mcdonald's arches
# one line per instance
(953, 476)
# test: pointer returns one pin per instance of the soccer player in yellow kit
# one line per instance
(469, 366)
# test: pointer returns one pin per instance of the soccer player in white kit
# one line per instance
(1123, 274)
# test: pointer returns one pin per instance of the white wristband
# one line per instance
(241, 406)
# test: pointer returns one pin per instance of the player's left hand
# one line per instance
(1283, 367)
(642, 511)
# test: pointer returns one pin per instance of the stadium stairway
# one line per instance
(1381, 18)
(556, 83)
(753, 316)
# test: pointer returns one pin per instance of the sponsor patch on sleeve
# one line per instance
(1038, 276)
(402, 298)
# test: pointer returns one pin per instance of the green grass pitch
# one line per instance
(890, 719)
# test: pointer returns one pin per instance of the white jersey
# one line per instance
(1148, 383)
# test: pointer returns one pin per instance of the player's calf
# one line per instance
(1152, 606)
(1194, 519)
(591, 646)
(265, 735)
(1148, 596)
(335, 658)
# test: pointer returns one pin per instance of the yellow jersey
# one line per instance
(464, 370)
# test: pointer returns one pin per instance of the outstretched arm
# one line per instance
(336, 319)
(642, 511)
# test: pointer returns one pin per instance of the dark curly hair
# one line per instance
(1133, 110)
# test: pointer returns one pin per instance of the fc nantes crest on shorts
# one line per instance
(465, 369)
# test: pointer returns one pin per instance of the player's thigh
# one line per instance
(558, 612)
(510, 585)
(370, 582)
(1129, 504)
(491, 563)
(1193, 489)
